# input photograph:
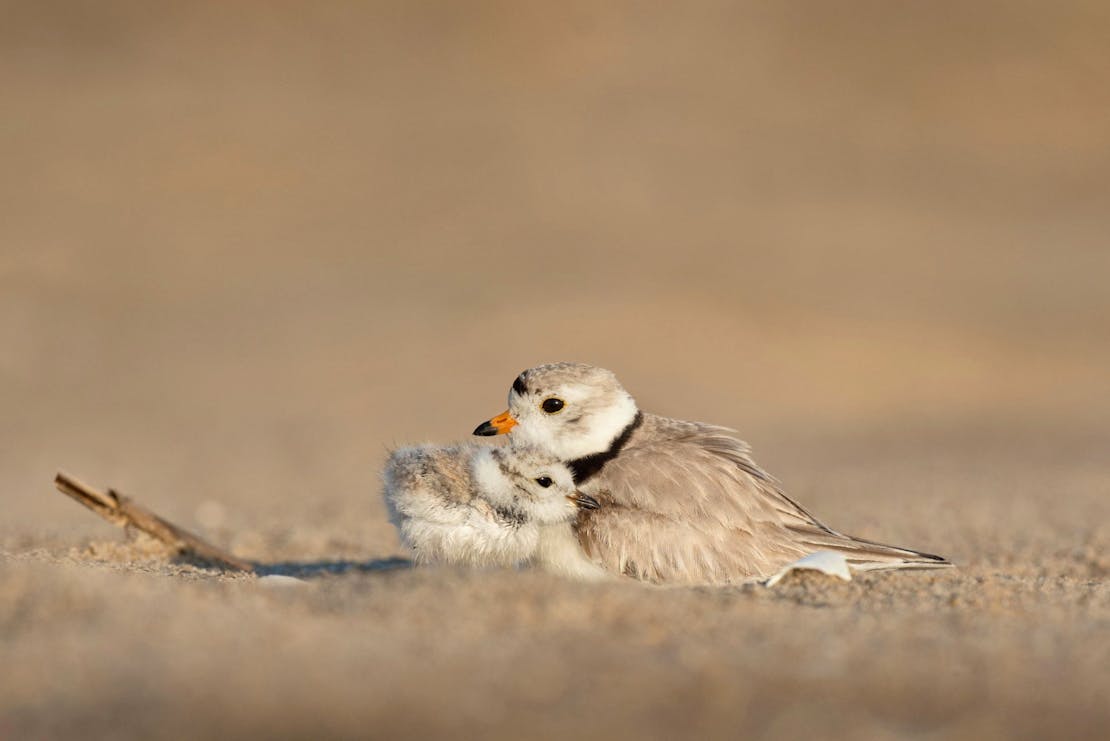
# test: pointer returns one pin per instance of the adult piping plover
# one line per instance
(681, 502)
(482, 506)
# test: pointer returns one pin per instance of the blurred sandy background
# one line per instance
(245, 247)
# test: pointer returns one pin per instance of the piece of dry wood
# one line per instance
(122, 511)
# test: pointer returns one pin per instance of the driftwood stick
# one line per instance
(122, 511)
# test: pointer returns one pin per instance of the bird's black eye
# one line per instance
(544, 481)
(552, 405)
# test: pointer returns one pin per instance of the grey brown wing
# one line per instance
(681, 512)
(805, 530)
(699, 510)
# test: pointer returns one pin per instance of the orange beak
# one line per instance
(499, 425)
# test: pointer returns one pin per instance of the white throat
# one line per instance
(571, 442)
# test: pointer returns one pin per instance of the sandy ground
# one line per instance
(245, 249)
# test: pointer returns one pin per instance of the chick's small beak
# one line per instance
(584, 501)
(499, 425)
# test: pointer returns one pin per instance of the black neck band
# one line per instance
(587, 466)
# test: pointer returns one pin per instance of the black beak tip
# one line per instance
(485, 430)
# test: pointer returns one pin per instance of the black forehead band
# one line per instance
(518, 385)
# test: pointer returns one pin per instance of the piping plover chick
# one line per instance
(681, 502)
(482, 506)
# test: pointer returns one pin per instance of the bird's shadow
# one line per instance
(316, 569)
(300, 569)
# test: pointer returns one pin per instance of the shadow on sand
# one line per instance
(315, 569)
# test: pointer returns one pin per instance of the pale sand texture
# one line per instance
(245, 248)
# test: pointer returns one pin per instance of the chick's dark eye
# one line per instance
(544, 481)
(552, 405)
